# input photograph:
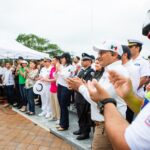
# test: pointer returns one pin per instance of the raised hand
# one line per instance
(97, 93)
(74, 83)
(123, 85)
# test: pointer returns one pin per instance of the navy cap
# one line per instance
(132, 42)
(86, 56)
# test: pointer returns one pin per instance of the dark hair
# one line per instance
(35, 62)
(118, 57)
(137, 45)
(20, 57)
(126, 50)
(67, 56)
(140, 47)
(57, 58)
(8, 62)
(78, 57)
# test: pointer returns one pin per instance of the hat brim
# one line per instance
(24, 62)
(86, 58)
(99, 49)
(132, 44)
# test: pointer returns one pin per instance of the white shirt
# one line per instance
(105, 83)
(45, 73)
(2, 70)
(64, 73)
(143, 69)
(8, 78)
(137, 135)
(133, 73)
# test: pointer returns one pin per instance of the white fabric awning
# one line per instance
(14, 49)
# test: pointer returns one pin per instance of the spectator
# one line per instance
(110, 53)
(53, 92)
(64, 71)
(22, 79)
(45, 97)
(128, 64)
(9, 83)
(83, 107)
(135, 136)
(32, 73)
(141, 64)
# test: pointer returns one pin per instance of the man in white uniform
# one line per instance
(141, 64)
(128, 64)
(110, 54)
(122, 135)
(45, 97)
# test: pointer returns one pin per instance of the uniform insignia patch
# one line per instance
(147, 121)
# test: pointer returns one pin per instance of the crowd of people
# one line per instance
(105, 90)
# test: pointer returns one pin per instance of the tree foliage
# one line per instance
(40, 44)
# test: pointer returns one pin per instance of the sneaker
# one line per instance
(57, 122)
(52, 119)
(15, 104)
(6, 105)
(23, 109)
(48, 115)
(57, 126)
(42, 114)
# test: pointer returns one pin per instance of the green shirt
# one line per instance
(22, 80)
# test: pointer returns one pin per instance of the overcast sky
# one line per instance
(75, 25)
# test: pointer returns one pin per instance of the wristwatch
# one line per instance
(102, 103)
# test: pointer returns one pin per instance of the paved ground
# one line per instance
(18, 133)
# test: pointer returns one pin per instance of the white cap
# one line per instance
(110, 46)
(24, 62)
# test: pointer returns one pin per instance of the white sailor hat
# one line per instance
(132, 42)
(110, 45)
(39, 88)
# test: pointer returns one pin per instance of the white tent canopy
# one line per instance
(14, 49)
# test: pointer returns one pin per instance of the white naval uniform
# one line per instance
(105, 83)
(137, 135)
(45, 97)
(135, 79)
(142, 67)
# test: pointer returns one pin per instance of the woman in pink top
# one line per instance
(53, 90)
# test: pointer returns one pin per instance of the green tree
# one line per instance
(40, 44)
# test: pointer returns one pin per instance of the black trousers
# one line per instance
(84, 115)
(129, 115)
(10, 93)
(23, 94)
(64, 95)
(17, 95)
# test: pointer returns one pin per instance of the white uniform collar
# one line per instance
(128, 63)
(119, 62)
(137, 58)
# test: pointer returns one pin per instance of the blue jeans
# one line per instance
(64, 95)
(30, 99)
(10, 93)
(23, 94)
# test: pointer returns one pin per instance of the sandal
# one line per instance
(61, 129)
(31, 113)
